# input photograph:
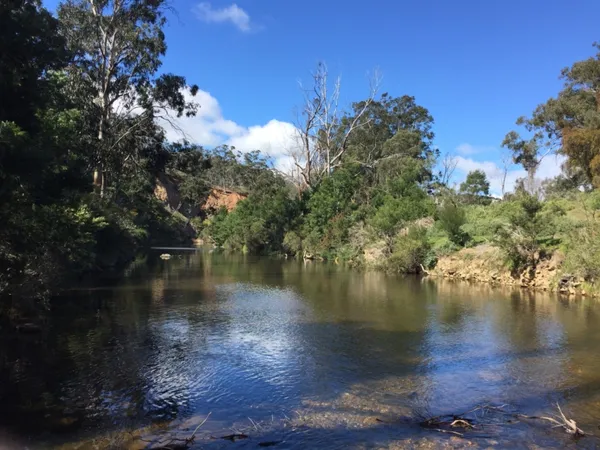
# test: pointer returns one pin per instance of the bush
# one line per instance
(451, 218)
(583, 252)
(582, 247)
(410, 251)
(292, 243)
(530, 231)
(395, 213)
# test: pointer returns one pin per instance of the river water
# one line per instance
(298, 355)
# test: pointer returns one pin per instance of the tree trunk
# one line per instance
(99, 171)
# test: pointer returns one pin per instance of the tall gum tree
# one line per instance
(118, 46)
(568, 124)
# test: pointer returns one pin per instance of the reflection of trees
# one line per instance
(525, 348)
(230, 332)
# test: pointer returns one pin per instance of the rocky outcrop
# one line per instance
(485, 264)
(222, 198)
(166, 190)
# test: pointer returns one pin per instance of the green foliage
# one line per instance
(476, 187)
(395, 213)
(30, 46)
(582, 246)
(570, 122)
(401, 202)
(292, 243)
(398, 130)
(334, 196)
(451, 218)
(410, 251)
(583, 252)
(257, 224)
(529, 232)
(53, 229)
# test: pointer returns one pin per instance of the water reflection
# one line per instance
(242, 336)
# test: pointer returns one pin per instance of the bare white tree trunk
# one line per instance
(506, 161)
(449, 164)
(321, 143)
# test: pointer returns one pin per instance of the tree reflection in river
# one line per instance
(243, 336)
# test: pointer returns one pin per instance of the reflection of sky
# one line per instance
(264, 332)
(471, 358)
(169, 378)
(242, 348)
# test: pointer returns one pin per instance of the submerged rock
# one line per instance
(29, 328)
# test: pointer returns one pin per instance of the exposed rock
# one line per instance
(219, 198)
(166, 191)
(483, 264)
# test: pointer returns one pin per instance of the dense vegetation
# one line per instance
(81, 149)
(80, 95)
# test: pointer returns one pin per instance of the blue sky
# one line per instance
(476, 65)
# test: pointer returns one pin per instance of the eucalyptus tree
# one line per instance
(395, 136)
(118, 47)
(568, 124)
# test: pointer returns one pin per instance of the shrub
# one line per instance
(451, 218)
(410, 251)
(583, 252)
(582, 247)
(529, 232)
(292, 243)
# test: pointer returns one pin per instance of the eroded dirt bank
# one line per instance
(485, 264)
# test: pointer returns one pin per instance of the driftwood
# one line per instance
(449, 423)
(181, 444)
(569, 425)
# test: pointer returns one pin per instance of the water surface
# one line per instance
(328, 349)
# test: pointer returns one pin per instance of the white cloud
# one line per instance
(466, 149)
(209, 128)
(233, 14)
(550, 167)
(275, 139)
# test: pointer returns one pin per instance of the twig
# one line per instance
(253, 423)
(569, 425)
(448, 431)
(201, 423)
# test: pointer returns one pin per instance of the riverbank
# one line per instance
(485, 264)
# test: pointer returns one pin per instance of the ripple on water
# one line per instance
(251, 338)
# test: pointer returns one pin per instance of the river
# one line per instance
(298, 355)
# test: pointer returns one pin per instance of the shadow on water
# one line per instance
(332, 349)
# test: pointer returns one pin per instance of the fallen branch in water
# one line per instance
(569, 425)
(470, 420)
(181, 444)
(201, 423)
(456, 433)
(462, 423)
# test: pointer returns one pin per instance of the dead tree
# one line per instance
(322, 134)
